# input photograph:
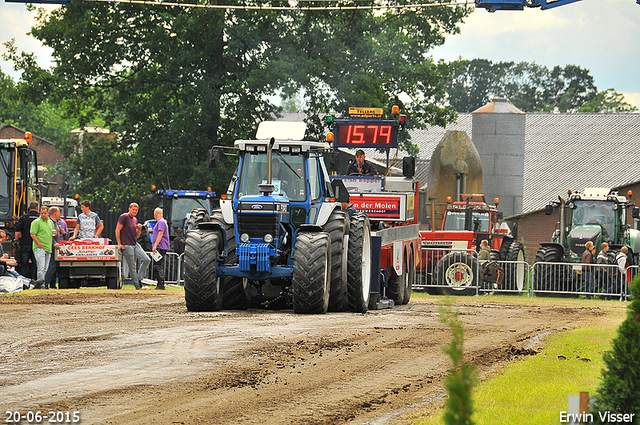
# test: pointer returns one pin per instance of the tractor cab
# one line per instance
(597, 215)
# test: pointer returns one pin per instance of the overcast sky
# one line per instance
(602, 36)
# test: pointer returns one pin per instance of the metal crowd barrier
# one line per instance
(438, 268)
(450, 271)
(173, 269)
(576, 279)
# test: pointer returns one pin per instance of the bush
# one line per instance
(618, 392)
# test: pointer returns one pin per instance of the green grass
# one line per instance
(536, 390)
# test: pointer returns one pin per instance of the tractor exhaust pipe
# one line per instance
(563, 225)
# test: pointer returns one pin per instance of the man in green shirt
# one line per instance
(42, 231)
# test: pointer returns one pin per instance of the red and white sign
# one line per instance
(378, 206)
(87, 252)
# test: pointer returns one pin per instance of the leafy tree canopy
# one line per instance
(42, 118)
(171, 82)
(531, 87)
(608, 101)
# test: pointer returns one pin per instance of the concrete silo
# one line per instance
(454, 168)
(498, 130)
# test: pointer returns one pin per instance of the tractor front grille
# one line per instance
(258, 225)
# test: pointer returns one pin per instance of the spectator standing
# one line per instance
(88, 224)
(587, 272)
(42, 232)
(178, 243)
(127, 232)
(603, 272)
(621, 260)
(161, 245)
(27, 263)
(61, 231)
(485, 252)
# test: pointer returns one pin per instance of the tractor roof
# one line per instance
(599, 194)
(285, 134)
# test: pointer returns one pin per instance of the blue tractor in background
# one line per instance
(177, 206)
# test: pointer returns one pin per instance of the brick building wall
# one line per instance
(46, 151)
(536, 228)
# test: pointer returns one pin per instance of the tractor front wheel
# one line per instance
(311, 273)
(201, 284)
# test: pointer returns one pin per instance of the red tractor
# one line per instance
(449, 259)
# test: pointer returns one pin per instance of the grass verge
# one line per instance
(536, 390)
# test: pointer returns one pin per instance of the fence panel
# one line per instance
(440, 271)
(173, 269)
(577, 279)
(450, 271)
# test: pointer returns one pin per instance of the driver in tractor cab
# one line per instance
(285, 180)
(360, 166)
(279, 177)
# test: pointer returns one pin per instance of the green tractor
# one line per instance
(597, 215)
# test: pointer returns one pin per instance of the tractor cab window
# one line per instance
(287, 175)
(315, 182)
(181, 211)
(454, 220)
(599, 213)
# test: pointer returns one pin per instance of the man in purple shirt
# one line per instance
(161, 245)
(127, 232)
(61, 231)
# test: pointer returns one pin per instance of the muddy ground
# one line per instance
(125, 357)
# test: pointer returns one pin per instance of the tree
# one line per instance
(608, 101)
(620, 386)
(172, 82)
(41, 118)
(531, 87)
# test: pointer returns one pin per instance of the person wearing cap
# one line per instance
(361, 166)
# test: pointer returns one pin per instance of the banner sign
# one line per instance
(87, 252)
(383, 207)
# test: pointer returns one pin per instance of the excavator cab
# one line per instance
(18, 178)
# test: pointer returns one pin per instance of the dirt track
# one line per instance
(125, 357)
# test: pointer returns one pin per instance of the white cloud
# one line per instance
(17, 22)
(632, 98)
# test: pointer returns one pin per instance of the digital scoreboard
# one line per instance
(366, 134)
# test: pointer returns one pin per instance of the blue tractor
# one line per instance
(280, 237)
(177, 206)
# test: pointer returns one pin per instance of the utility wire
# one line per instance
(297, 6)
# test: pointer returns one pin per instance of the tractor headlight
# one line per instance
(268, 238)
(244, 237)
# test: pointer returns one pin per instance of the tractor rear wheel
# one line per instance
(459, 272)
(549, 277)
(311, 273)
(338, 229)
(514, 273)
(398, 284)
(410, 272)
(359, 264)
(201, 285)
